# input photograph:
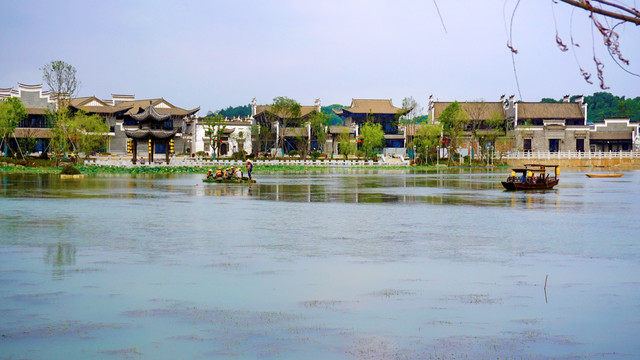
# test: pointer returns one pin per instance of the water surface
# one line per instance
(347, 264)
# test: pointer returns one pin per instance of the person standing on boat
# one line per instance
(249, 168)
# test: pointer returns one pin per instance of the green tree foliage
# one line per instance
(603, 105)
(61, 79)
(241, 111)
(61, 140)
(426, 142)
(333, 118)
(345, 145)
(372, 137)
(289, 112)
(495, 127)
(319, 122)
(214, 127)
(260, 135)
(88, 132)
(11, 113)
(453, 120)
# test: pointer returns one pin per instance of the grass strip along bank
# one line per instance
(258, 169)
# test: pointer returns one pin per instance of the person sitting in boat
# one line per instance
(209, 174)
(219, 173)
(238, 173)
(228, 174)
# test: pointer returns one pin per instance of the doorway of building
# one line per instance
(554, 145)
(580, 145)
(527, 145)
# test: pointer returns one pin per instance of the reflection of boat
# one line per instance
(612, 175)
(219, 180)
(532, 177)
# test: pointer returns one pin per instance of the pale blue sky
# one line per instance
(214, 54)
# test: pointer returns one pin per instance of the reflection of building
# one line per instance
(380, 111)
(236, 137)
(292, 133)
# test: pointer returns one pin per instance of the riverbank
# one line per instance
(44, 168)
(94, 169)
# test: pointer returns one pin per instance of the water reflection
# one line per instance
(60, 256)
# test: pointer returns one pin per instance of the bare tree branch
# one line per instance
(585, 4)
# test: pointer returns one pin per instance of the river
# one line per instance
(342, 264)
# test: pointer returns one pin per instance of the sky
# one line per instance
(214, 54)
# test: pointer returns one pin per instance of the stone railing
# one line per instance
(571, 155)
(125, 161)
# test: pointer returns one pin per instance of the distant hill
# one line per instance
(603, 105)
(335, 119)
(241, 111)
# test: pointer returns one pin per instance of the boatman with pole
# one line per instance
(249, 168)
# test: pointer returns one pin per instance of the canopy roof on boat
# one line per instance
(536, 168)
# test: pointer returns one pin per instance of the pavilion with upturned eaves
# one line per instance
(151, 127)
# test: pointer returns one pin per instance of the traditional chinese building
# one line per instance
(37, 125)
(480, 118)
(151, 128)
(275, 123)
(179, 119)
(236, 136)
(380, 111)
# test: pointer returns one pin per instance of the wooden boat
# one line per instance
(230, 181)
(532, 177)
(612, 175)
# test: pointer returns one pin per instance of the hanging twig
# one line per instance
(441, 21)
(635, 18)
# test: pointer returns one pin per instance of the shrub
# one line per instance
(315, 155)
(70, 170)
(239, 155)
(293, 153)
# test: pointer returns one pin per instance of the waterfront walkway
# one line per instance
(185, 161)
(570, 155)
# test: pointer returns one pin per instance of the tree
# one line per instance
(288, 110)
(11, 113)
(319, 122)
(62, 82)
(495, 127)
(260, 134)
(88, 132)
(345, 146)
(214, 127)
(426, 142)
(453, 120)
(605, 16)
(372, 137)
(61, 139)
